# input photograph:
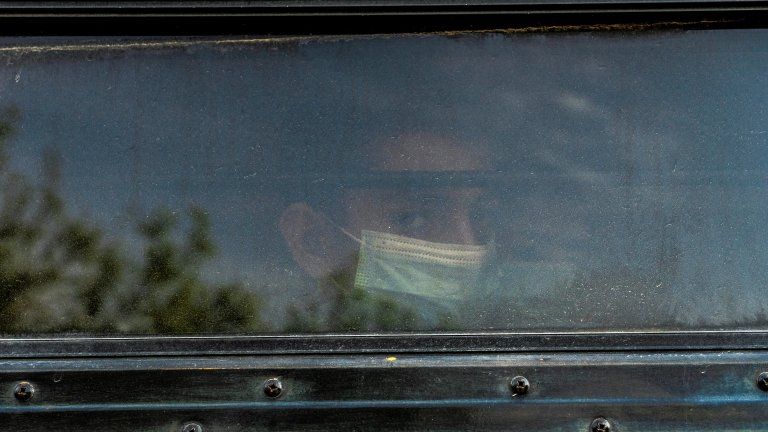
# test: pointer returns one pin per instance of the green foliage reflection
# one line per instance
(59, 274)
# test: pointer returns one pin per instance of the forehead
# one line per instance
(428, 152)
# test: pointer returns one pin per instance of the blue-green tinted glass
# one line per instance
(516, 182)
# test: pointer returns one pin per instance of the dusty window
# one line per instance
(559, 182)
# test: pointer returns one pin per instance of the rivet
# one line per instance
(273, 387)
(519, 385)
(600, 425)
(762, 381)
(192, 427)
(23, 391)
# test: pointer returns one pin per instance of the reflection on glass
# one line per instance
(480, 182)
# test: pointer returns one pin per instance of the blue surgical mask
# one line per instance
(434, 277)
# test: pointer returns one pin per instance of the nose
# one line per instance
(462, 229)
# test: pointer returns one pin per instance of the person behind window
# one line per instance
(405, 247)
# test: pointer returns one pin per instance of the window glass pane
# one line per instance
(518, 182)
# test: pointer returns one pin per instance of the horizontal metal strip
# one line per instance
(348, 7)
(393, 343)
(386, 361)
(385, 404)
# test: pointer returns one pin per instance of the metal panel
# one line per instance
(634, 391)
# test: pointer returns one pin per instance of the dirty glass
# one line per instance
(463, 182)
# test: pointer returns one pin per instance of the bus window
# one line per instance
(471, 182)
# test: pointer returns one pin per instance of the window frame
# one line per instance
(279, 18)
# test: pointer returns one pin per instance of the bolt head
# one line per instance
(519, 385)
(192, 427)
(273, 387)
(600, 425)
(23, 391)
(762, 381)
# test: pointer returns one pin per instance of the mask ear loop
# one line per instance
(340, 228)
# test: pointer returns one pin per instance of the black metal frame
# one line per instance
(368, 17)
(362, 17)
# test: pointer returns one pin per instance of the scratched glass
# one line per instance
(538, 182)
